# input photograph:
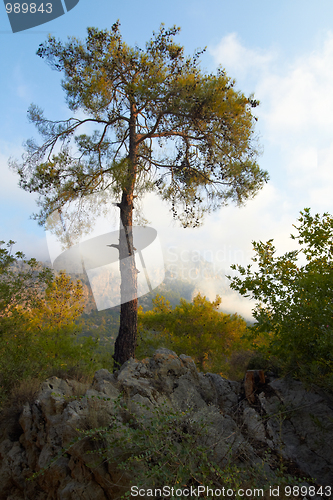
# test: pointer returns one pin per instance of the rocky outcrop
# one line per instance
(295, 424)
(299, 425)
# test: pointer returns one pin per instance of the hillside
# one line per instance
(162, 423)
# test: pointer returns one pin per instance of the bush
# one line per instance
(37, 323)
(294, 310)
(197, 329)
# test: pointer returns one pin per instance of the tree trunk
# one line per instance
(125, 344)
(126, 341)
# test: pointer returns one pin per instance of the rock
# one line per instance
(294, 422)
(300, 426)
(104, 382)
(255, 425)
(226, 392)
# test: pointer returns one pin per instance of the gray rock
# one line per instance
(294, 422)
(300, 426)
(255, 425)
(227, 392)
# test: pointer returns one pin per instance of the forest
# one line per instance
(45, 331)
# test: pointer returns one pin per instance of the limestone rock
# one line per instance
(254, 424)
(293, 422)
(300, 426)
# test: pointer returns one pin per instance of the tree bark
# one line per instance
(127, 337)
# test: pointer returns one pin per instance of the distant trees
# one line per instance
(21, 282)
(294, 295)
(37, 321)
(161, 125)
(194, 328)
(52, 322)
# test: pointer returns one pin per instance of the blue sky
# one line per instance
(282, 51)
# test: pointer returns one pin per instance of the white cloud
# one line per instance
(9, 189)
(322, 191)
(296, 126)
(296, 96)
(9, 179)
(298, 115)
(295, 116)
(23, 91)
(16, 207)
(300, 96)
(239, 60)
(224, 239)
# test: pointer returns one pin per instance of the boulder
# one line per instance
(300, 427)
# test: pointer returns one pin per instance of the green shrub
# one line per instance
(294, 294)
(37, 323)
(197, 329)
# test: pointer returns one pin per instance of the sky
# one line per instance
(282, 52)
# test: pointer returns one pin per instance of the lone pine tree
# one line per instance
(161, 124)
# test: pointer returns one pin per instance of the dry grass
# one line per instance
(72, 373)
(238, 364)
